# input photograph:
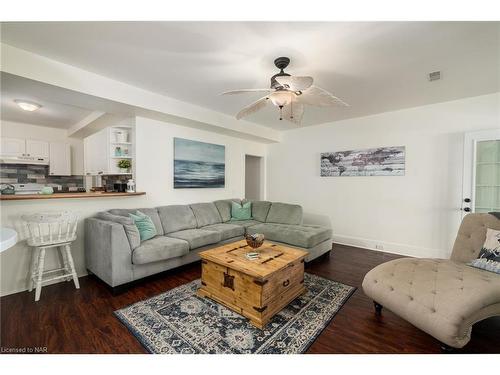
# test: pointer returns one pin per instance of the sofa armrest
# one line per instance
(107, 251)
(317, 219)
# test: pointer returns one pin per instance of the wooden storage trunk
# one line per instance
(256, 289)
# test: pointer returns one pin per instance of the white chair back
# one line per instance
(51, 228)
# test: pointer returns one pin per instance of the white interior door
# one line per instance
(481, 184)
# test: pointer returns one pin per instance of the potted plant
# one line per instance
(124, 165)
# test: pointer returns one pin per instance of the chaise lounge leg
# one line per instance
(378, 307)
(446, 349)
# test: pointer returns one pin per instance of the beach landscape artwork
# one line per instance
(381, 161)
(198, 164)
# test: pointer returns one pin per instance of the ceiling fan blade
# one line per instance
(293, 112)
(319, 97)
(243, 91)
(252, 108)
(295, 83)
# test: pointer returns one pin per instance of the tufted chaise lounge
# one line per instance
(443, 297)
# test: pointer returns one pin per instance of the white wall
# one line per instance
(42, 133)
(417, 214)
(154, 175)
(154, 164)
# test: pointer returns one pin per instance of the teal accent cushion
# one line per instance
(241, 212)
(144, 224)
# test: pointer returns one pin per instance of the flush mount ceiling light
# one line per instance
(289, 94)
(27, 106)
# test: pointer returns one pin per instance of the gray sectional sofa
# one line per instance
(115, 254)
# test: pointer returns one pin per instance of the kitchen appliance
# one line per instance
(9, 159)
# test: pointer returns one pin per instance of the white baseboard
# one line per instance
(391, 247)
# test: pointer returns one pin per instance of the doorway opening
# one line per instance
(254, 177)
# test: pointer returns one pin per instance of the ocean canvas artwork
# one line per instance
(198, 164)
(381, 161)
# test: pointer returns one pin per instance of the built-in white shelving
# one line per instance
(104, 149)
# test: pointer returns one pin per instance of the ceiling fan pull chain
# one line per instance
(291, 109)
(281, 112)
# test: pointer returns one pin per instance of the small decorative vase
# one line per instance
(124, 170)
(255, 240)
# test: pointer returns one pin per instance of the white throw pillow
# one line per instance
(489, 256)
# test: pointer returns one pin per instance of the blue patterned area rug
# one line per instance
(178, 321)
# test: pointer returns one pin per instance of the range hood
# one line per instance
(9, 159)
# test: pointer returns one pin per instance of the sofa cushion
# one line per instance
(176, 217)
(297, 235)
(260, 209)
(244, 223)
(151, 212)
(206, 214)
(284, 213)
(227, 230)
(131, 230)
(441, 297)
(159, 248)
(197, 237)
(224, 208)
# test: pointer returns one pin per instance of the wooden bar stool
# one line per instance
(47, 231)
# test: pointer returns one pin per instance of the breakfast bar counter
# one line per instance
(16, 197)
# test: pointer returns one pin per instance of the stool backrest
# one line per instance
(51, 228)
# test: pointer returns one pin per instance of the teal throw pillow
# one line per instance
(144, 224)
(241, 212)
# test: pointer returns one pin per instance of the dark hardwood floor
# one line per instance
(69, 321)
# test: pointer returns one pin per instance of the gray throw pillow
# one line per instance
(134, 238)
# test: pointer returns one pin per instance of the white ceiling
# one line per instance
(376, 67)
(53, 113)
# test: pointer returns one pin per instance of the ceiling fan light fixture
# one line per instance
(281, 98)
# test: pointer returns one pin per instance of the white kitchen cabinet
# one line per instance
(59, 159)
(24, 147)
(96, 153)
(104, 149)
(39, 149)
(13, 147)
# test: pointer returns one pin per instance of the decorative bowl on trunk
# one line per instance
(255, 240)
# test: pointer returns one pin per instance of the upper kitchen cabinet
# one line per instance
(38, 149)
(104, 149)
(13, 147)
(60, 159)
(24, 147)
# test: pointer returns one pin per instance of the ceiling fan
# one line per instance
(290, 94)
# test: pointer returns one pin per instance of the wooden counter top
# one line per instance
(19, 197)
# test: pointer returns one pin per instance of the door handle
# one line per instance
(286, 283)
(466, 209)
(467, 200)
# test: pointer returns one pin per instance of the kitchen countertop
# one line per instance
(18, 197)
